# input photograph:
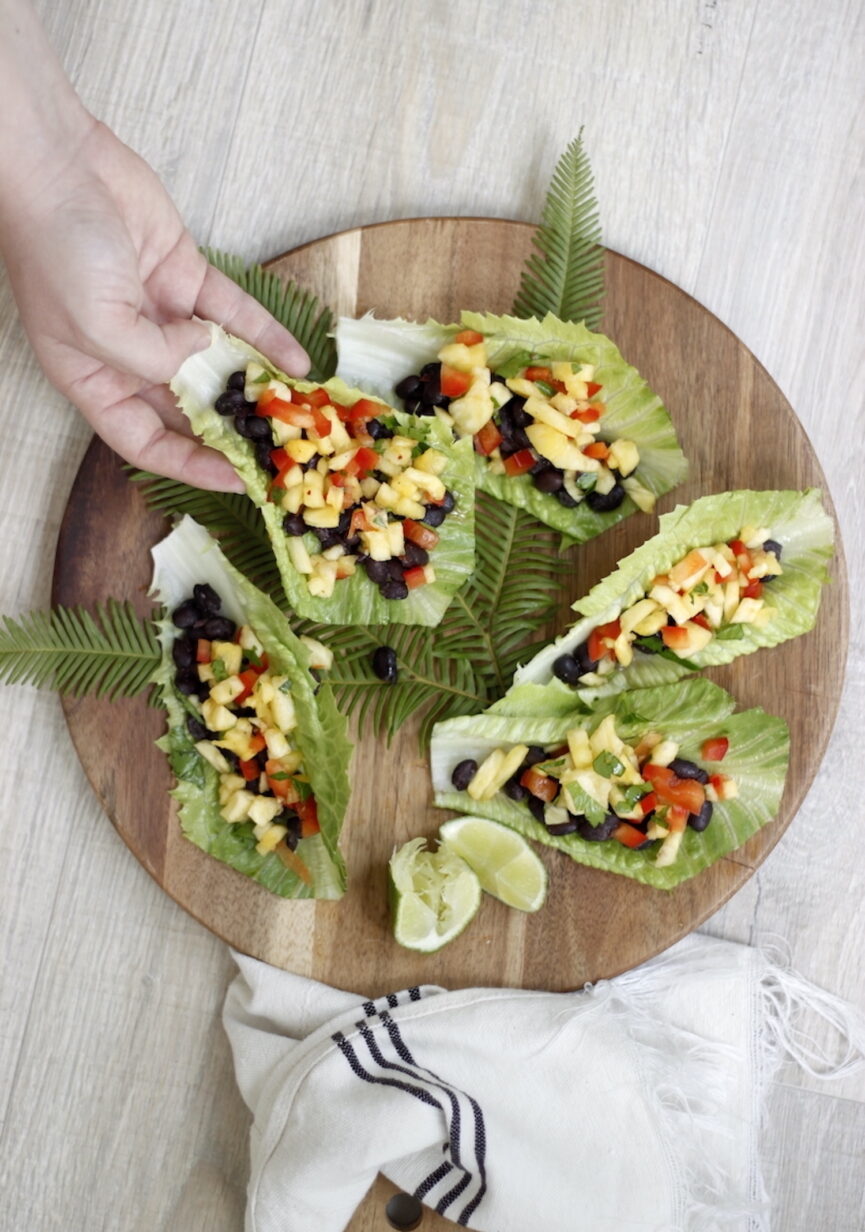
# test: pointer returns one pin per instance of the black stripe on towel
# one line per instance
(358, 1069)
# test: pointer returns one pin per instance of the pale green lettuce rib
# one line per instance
(687, 711)
(187, 556)
(378, 354)
(355, 600)
(797, 520)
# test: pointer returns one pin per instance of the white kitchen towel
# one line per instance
(631, 1106)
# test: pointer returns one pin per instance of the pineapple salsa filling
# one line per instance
(246, 722)
(371, 497)
(712, 592)
(530, 418)
(602, 789)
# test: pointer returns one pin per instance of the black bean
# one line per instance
(203, 691)
(521, 416)
(414, 406)
(186, 614)
(206, 599)
(415, 555)
(232, 759)
(541, 465)
(565, 827)
(429, 370)
(431, 393)
(603, 502)
(254, 428)
(535, 754)
(448, 502)
(537, 808)
(246, 712)
(597, 834)
(376, 570)
(378, 431)
(395, 569)
(773, 546)
(507, 427)
(262, 456)
(408, 387)
(384, 664)
(519, 440)
(464, 773)
(183, 652)
(293, 524)
(196, 729)
(291, 821)
(352, 544)
(699, 821)
(435, 515)
(344, 522)
(587, 664)
(685, 769)
(253, 785)
(550, 479)
(567, 669)
(228, 403)
(328, 536)
(237, 380)
(564, 497)
(186, 681)
(220, 628)
(514, 789)
(393, 589)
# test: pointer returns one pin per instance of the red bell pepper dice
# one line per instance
(520, 462)
(715, 749)
(544, 786)
(469, 337)
(452, 382)
(488, 439)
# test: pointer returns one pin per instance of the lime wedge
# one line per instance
(434, 895)
(506, 865)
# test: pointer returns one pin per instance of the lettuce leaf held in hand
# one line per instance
(189, 557)
(792, 526)
(576, 494)
(687, 712)
(339, 588)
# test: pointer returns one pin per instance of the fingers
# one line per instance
(223, 301)
(135, 344)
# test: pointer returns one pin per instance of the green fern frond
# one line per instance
(114, 652)
(229, 516)
(295, 308)
(566, 275)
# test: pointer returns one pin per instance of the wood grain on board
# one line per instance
(736, 428)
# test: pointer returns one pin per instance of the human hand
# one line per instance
(107, 279)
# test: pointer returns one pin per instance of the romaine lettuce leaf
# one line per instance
(355, 600)
(687, 711)
(189, 555)
(378, 354)
(797, 520)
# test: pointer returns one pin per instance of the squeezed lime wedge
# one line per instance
(505, 864)
(434, 895)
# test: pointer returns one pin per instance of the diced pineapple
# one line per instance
(340, 461)
(271, 839)
(565, 404)
(474, 408)
(399, 449)
(227, 690)
(217, 717)
(669, 849)
(558, 449)
(282, 709)
(642, 497)
(579, 746)
(410, 509)
(264, 809)
(632, 616)
(298, 554)
(323, 444)
(211, 754)
(284, 432)
(606, 481)
(499, 393)
(673, 602)
(623, 650)
(313, 490)
(345, 566)
(664, 752)
(722, 566)
(254, 382)
(333, 553)
(404, 485)
(229, 784)
(431, 461)
(237, 807)
(726, 788)
(542, 412)
(485, 774)
(746, 612)
(385, 495)
(698, 639)
(495, 771)
(656, 830)
(429, 575)
(340, 439)
(293, 499)
(247, 639)
(238, 742)
(690, 570)
(731, 596)
(431, 484)
(764, 564)
(763, 617)
(376, 544)
(464, 358)
(523, 388)
(301, 450)
(396, 538)
(574, 382)
(624, 456)
(323, 579)
(753, 536)
(205, 673)
(335, 497)
(277, 745)
(320, 656)
(325, 518)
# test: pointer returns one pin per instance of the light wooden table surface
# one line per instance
(727, 141)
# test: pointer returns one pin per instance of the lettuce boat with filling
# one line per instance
(655, 784)
(561, 425)
(370, 511)
(725, 576)
(257, 744)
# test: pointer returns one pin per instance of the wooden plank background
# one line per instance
(727, 141)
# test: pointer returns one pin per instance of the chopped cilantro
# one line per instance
(513, 367)
(546, 390)
(631, 795)
(285, 687)
(583, 803)
(730, 633)
(220, 671)
(587, 480)
(607, 764)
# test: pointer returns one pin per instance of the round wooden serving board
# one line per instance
(738, 431)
